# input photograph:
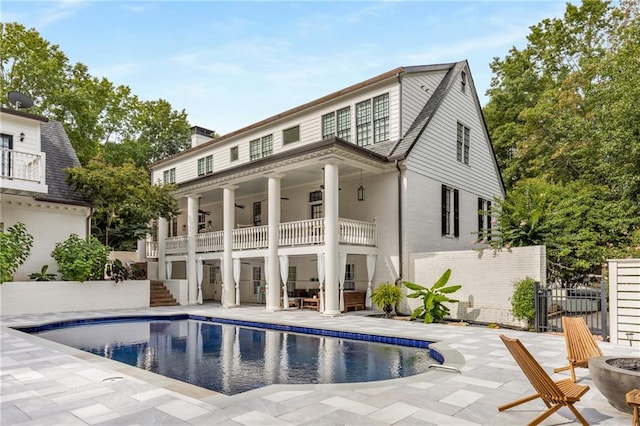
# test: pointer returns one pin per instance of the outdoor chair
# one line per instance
(580, 344)
(563, 393)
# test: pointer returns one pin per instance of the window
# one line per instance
(205, 165)
(291, 135)
(6, 145)
(169, 176)
(381, 118)
(233, 153)
(173, 227)
(262, 147)
(450, 212)
(212, 274)
(463, 82)
(484, 219)
(291, 278)
(337, 124)
(363, 123)
(350, 277)
(316, 211)
(257, 213)
(256, 274)
(315, 196)
(328, 125)
(463, 140)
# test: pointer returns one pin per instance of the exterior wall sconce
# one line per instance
(361, 189)
(22, 137)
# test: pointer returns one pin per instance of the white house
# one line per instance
(33, 155)
(332, 196)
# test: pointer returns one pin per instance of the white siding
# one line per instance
(416, 91)
(13, 125)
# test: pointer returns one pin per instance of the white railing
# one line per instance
(151, 249)
(176, 245)
(356, 232)
(251, 237)
(298, 233)
(21, 165)
(209, 242)
(301, 232)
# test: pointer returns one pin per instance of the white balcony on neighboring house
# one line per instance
(22, 173)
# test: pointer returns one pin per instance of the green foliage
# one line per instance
(386, 296)
(15, 247)
(93, 111)
(81, 259)
(580, 224)
(119, 271)
(125, 201)
(523, 301)
(43, 275)
(433, 299)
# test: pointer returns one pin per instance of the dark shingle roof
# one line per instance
(59, 155)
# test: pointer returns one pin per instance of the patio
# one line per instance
(46, 383)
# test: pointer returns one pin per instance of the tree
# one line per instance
(125, 201)
(15, 247)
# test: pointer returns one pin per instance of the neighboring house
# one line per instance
(33, 155)
(354, 182)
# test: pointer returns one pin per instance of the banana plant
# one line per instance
(432, 309)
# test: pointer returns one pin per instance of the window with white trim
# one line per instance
(257, 213)
(363, 123)
(260, 148)
(338, 124)
(329, 125)
(291, 135)
(291, 278)
(372, 120)
(169, 176)
(381, 118)
(484, 219)
(463, 141)
(233, 153)
(450, 212)
(205, 165)
(350, 277)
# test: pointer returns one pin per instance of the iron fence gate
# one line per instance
(589, 302)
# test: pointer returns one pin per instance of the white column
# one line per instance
(331, 188)
(162, 237)
(273, 270)
(192, 230)
(228, 219)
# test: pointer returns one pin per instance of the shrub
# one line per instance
(119, 271)
(15, 247)
(523, 301)
(432, 309)
(81, 259)
(386, 296)
(43, 275)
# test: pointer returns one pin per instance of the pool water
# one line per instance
(231, 359)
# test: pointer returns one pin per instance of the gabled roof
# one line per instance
(59, 155)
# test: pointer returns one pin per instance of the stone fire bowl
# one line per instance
(614, 376)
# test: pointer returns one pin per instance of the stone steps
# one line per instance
(160, 295)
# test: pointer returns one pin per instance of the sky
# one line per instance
(229, 64)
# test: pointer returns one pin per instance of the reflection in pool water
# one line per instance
(232, 359)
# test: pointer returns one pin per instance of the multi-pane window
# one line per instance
(337, 124)
(169, 176)
(257, 213)
(291, 278)
(315, 196)
(262, 147)
(350, 277)
(328, 125)
(6, 144)
(291, 135)
(363, 123)
(256, 275)
(463, 140)
(484, 219)
(316, 211)
(173, 227)
(233, 153)
(450, 212)
(381, 118)
(205, 165)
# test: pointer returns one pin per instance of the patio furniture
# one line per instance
(311, 303)
(580, 344)
(563, 393)
(354, 300)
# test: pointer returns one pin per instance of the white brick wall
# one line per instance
(624, 301)
(487, 279)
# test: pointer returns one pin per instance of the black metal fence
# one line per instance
(589, 302)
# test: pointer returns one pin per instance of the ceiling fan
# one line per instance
(239, 206)
(204, 212)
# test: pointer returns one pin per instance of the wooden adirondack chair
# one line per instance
(580, 344)
(563, 393)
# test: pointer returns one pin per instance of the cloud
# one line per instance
(58, 11)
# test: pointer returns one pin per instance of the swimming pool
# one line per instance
(231, 357)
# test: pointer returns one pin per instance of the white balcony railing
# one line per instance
(21, 165)
(151, 249)
(298, 233)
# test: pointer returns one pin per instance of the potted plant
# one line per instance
(386, 296)
(433, 299)
(43, 275)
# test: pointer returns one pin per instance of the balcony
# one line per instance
(22, 173)
(291, 234)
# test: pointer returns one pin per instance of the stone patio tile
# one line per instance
(394, 412)
(436, 418)
(11, 415)
(183, 410)
(256, 418)
(94, 414)
(349, 405)
(309, 413)
(462, 398)
(285, 395)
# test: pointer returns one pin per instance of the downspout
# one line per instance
(400, 198)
